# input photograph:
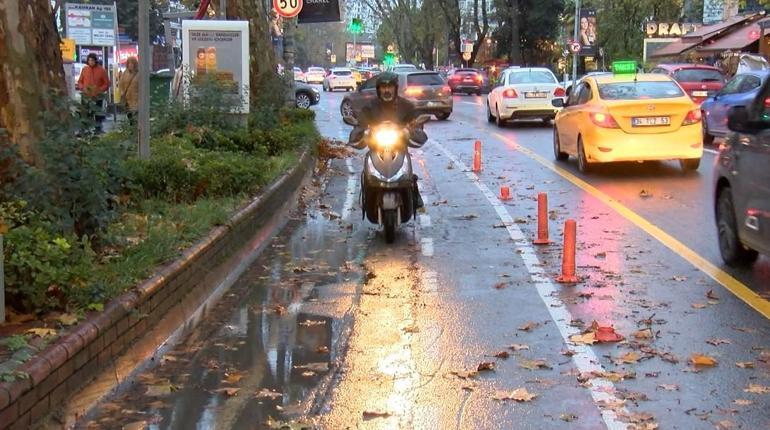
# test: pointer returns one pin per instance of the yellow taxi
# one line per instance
(357, 76)
(628, 116)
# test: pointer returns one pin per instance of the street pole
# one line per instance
(2, 283)
(223, 9)
(576, 55)
(288, 58)
(354, 47)
(144, 79)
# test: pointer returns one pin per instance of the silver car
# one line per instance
(428, 91)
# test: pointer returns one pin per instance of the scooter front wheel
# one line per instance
(389, 222)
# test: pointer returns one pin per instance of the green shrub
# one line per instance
(295, 115)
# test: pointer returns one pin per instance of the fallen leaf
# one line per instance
(234, 377)
(628, 358)
(669, 387)
(606, 334)
(519, 395)
(711, 295)
(726, 425)
(486, 366)
(699, 305)
(679, 278)
(503, 354)
(568, 417)
(468, 217)
(314, 367)
(534, 364)
(518, 347)
(583, 339)
(159, 390)
(745, 364)
(743, 402)
(501, 285)
(323, 349)
(717, 342)
(42, 332)
(265, 393)
(568, 352)
(136, 425)
(645, 194)
(529, 326)
(757, 389)
(702, 360)
(229, 392)
(67, 319)
(643, 334)
(369, 415)
(464, 374)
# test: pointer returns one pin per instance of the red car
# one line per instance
(698, 80)
(467, 81)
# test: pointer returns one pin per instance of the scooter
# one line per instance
(388, 196)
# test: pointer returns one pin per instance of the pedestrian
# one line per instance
(93, 85)
(276, 33)
(129, 88)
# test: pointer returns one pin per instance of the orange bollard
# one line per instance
(505, 193)
(477, 157)
(542, 220)
(568, 255)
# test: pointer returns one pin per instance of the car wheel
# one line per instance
(346, 109)
(303, 101)
(490, 117)
(689, 164)
(730, 246)
(708, 139)
(583, 165)
(546, 121)
(443, 116)
(557, 153)
(498, 120)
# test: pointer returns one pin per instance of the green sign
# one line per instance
(102, 20)
(624, 67)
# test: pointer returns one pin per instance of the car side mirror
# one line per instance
(738, 119)
(558, 102)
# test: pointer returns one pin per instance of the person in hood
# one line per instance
(93, 85)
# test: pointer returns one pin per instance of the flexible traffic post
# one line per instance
(568, 254)
(477, 157)
(542, 220)
(505, 193)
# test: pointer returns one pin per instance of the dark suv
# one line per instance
(742, 182)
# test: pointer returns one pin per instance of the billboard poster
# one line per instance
(127, 51)
(91, 24)
(588, 36)
(364, 50)
(319, 11)
(219, 50)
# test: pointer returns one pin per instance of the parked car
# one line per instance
(741, 90)
(305, 95)
(315, 75)
(340, 77)
(525, 93)
(469, 81)
(426, 90)
(368, 72)
(628, 117)
(742, 183)
(700, 81)
(357, 75)
(299, 75)
(401, 68)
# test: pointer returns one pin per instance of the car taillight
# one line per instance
(603, 120)
(479, 78)
(693, 117)
(446, 89)
(767, 102)
(413, 91)
(559, 92)
(454, 78)
(510, 93)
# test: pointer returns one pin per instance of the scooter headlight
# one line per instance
(386, 138)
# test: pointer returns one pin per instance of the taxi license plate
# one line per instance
(700, 93)
(650, 121)
(535, 95)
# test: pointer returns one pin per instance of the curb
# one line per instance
(73, 360)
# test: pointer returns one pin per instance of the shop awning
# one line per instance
(737, 39)
(704, 34)
(673, 49)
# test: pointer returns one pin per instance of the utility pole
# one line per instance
(288, 58)
(223, 9)
(144, 79)
(576, 55)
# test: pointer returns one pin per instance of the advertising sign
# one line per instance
(362, 51)
(67, 47)
(219, 49)
(127, 51)
(320, 11)
(91, 24)
(669, 29)
(85, 50)
(587, 35)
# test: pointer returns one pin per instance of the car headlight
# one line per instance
(386, 138)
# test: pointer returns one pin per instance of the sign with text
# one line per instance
(362, 50)
(587, 35)
(287, 8)
(127, 51)
(67, 47)
(669, 29)
(320, 11)
(220, 50)
(91, 24)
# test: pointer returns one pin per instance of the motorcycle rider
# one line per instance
(388, 106)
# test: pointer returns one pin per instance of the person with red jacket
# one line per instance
(93, 84)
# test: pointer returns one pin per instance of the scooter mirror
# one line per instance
(349, 120)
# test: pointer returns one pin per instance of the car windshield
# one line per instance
(698, 75)
(424, 79)
(315, 69)
(639, 90)
(532, 77)
(405, 67)
(342, 72)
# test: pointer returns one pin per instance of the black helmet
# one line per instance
(387, 78)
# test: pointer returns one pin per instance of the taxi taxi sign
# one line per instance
(624, 67)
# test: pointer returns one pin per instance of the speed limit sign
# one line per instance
(287, 8)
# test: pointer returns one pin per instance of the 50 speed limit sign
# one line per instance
(287, 8)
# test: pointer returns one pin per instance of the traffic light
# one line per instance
(356, 26)
(390, 59)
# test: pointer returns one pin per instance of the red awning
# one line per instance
(673, 49)
(737, 39)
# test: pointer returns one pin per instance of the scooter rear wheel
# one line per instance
(389, 222)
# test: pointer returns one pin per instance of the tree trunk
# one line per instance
(262, 66)
(515, 54)
(30, 70)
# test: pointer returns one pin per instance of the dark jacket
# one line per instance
(399, 111)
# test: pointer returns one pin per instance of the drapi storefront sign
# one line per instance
(220, 50)
(669, 29)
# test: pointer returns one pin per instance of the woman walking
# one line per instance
(129, 88)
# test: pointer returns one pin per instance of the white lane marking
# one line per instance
(426, 245)
(352, 190)
(584, 358)
(425, 220)
(710, 151)
(430, 281)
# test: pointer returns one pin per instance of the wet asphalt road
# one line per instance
(332, 328)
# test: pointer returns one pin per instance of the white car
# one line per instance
(340, 77)
(315, 75)
(525, 93)
(299, 75)
(403, 68)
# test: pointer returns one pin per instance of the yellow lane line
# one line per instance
(723, 278)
